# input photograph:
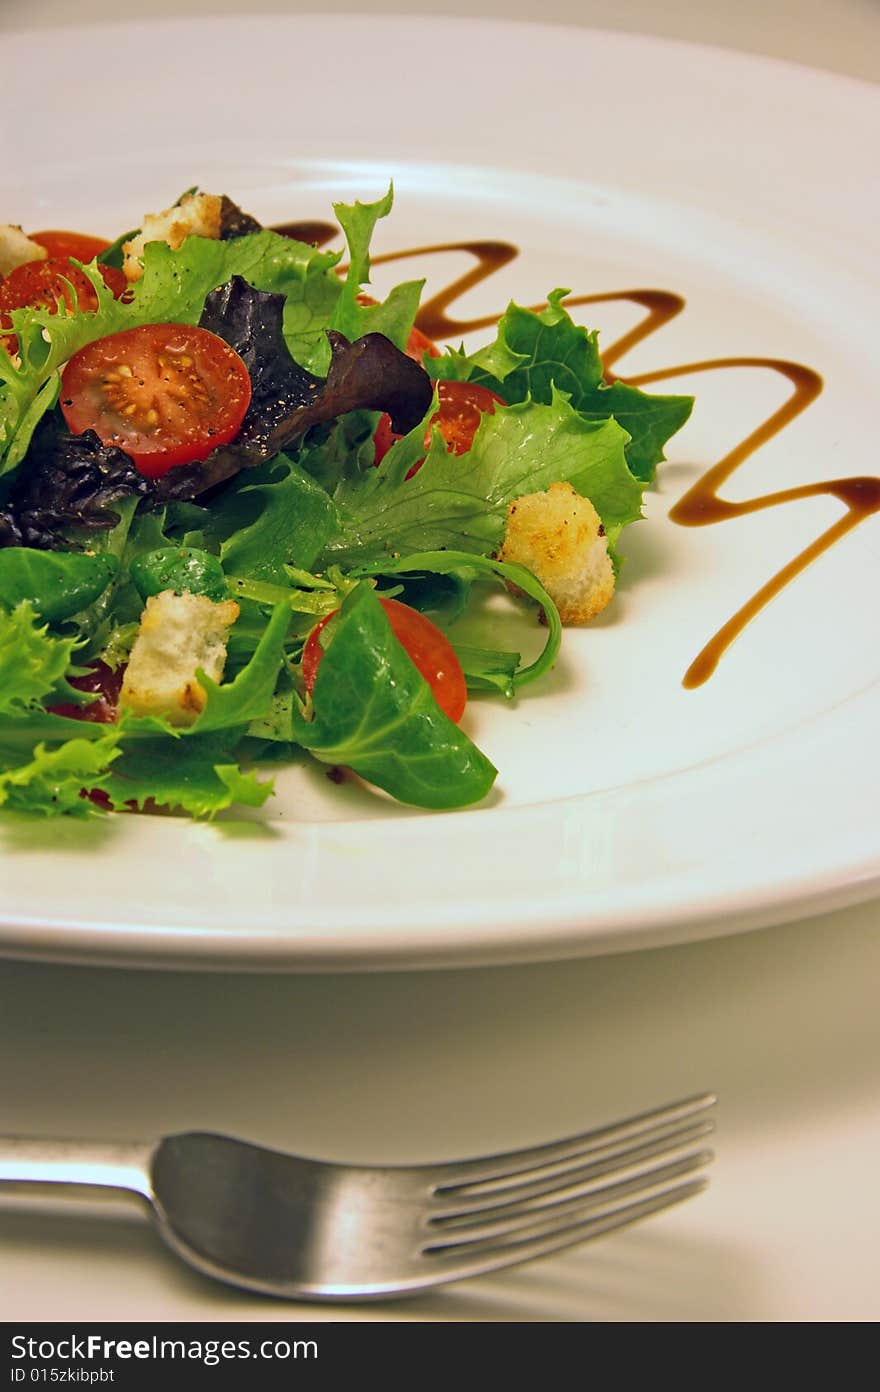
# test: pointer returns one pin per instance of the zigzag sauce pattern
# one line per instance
(701, 505)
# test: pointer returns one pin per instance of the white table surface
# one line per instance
(783, 1024)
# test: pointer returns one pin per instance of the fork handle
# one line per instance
(37, 1170)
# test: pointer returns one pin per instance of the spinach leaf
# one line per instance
(374, 712)
(295, 520)
(466, 568)
(180, 568)
(57, 585)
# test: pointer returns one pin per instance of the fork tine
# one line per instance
(579, 1170)
(461, 1262)
(495, 1170)
(566, 1203)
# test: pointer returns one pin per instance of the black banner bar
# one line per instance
(279, 1353)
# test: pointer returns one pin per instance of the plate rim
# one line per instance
(271, 18)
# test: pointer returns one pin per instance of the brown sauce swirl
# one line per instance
(432, 318)
(701, 505)
(316, 233)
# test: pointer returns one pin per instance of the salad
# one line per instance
(244, 507)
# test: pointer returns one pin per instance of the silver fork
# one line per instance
(315, 1230)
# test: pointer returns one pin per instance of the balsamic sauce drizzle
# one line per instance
(701, 505)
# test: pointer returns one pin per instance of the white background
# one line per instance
(840, 35)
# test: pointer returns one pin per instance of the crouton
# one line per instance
(16, 249)
(558, 536)
(179, 634)
(197, 214)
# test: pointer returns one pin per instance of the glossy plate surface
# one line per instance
(629, 810)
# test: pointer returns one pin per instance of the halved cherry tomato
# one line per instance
(167, 394)
(78, 244)
(460, 408)
(429, 650)
(46, 283)
(418, 344)
(383, 438)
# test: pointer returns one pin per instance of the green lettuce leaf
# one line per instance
(460, 501)
(488, 669)
(51, 782)
(272, 517)
(46, 759)
(19, 419)
(395, 316)
(249, 696)
(538, 352)
(198, 776)
(175, 283)
(33, 662)
(648, 420)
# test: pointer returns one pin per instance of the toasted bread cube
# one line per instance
(197, 214)
(558, 536)
(16, 249)
(179, 635)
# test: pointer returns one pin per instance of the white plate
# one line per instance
(629, 810)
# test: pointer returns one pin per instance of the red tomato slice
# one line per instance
(167, 394)
(46, 283)
(78, 244)
(429, 650)
(460, 408)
